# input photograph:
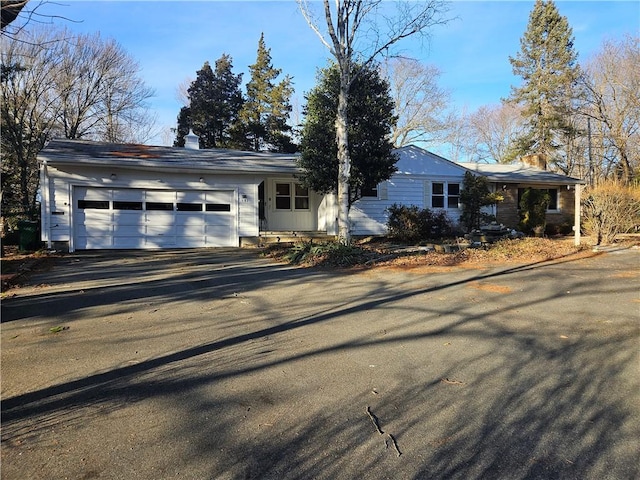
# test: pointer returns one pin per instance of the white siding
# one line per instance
(59, 221)
(411, 185)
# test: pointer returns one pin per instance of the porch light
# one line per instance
(113, 176)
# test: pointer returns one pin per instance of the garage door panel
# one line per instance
(129, 218)
(84, 193)
(133, 218)
(94, 217)
(88, 243)
(95, 230)
(128, 194)
(127, 241)
(217, 226)
(219, 197)
(160, 242)
(185, 220)
(159, 230)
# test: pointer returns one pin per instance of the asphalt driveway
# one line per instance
(221, 364)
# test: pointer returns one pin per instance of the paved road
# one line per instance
(221, 364)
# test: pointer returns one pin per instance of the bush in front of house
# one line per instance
(475, 195)
(410, 223)
(533, 211)
(610, 209)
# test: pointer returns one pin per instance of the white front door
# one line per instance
(291, 207)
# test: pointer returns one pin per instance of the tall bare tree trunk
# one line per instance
(412, 18)
(344, 162)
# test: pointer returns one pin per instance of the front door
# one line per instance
(291, 206)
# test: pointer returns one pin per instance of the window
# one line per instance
(553, 199)
(437, 195)
(453, 195)
(369, 191)
(165, 206)
(302, 197)
(288, 194)
(554, 206)
(93, 204)
(127, 205)
(283, 196)
(445, 195)
(218, 207)
(189, 207)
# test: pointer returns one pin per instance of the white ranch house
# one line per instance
(114, 196)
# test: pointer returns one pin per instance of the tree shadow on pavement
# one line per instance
(488, 386)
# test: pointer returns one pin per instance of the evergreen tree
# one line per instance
(371, 120)
(267, 107)
(215, 102)
(547, 64)
(475, 195)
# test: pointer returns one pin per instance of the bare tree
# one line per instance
(612, 81)
(494, 129)
(352, 32)
(28, 111)
(182, 91)
(101, 94)
(459, 144)
(610, 209)
(420, 104)
(56, 84)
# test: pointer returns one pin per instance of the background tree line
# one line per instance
(223, 117)
(58, 84)
(585, 119)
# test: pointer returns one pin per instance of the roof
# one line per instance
(84, 152)
(519, 173)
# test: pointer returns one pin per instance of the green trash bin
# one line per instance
(29, 234)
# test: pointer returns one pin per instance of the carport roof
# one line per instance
(519, 173)
(84, 152)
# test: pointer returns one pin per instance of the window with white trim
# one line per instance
(301, 198)
(283, 196)
(445, 195)
(291, 196)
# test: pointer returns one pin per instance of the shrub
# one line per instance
(533, 210)
(409, 223)
(610, 209)
(327, 253)
(476, 195)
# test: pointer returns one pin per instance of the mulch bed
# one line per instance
(16, 266)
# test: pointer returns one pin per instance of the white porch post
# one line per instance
(45, 206)
(576, 218)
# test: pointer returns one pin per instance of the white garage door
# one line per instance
(131, 218)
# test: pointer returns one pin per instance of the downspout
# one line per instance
(45, 214)
(576, 215)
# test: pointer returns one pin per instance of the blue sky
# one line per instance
(172, 39)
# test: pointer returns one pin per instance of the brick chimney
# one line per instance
(537, 160)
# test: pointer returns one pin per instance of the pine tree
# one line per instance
(267, 107)
(371, 120)
(547, 63)
(215, 102)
